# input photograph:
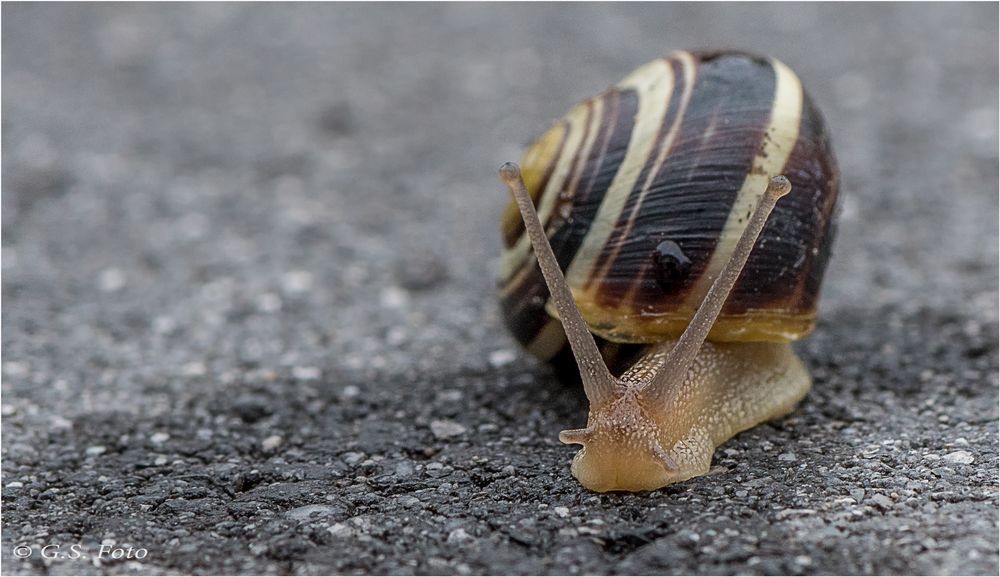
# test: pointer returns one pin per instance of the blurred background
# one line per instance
(205, 199)
(187, 167)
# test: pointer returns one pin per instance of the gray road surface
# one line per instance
(249, 307)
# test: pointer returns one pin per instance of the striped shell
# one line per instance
(645, 188)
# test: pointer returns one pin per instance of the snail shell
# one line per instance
(644, 189)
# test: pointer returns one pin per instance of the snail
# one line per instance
(646, 238)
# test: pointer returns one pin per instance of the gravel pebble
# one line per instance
(881, 501)
(960, 457)
(502, 358)
(459, 536)
(353, 458)
(308, 512)
(271, 443)
(446, 429)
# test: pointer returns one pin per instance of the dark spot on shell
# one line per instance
(672, 265)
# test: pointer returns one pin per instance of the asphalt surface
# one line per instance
(250, 321)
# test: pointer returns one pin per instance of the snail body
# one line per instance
(643, 196)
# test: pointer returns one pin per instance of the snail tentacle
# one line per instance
(575, 436)
(598, 383)
(660, 388)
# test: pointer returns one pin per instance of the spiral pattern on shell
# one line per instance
(644, 189)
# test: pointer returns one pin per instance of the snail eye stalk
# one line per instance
(665, 381)
(598, 383)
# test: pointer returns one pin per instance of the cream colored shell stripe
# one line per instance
(782, 131)
(781, 136)
(653, 84)
(518, 255)
(688, 67)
